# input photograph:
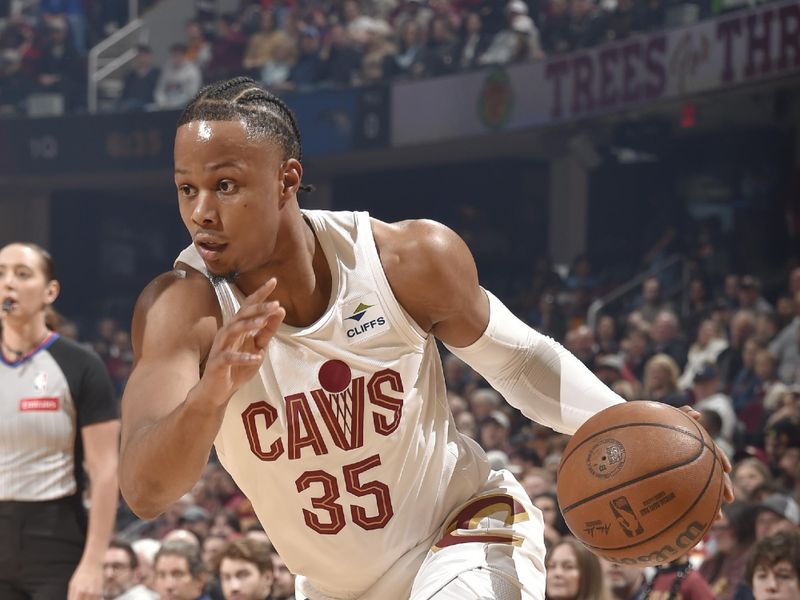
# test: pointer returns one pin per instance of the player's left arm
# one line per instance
(434, 277)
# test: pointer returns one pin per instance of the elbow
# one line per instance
(141, 504)
(141, 497)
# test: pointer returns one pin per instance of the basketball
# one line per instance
(640, 483)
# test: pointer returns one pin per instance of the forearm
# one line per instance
(102, 512)
(535, 373)
(163, 460)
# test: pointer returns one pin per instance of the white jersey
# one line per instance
(345, 444)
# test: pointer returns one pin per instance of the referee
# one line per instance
(58, 414)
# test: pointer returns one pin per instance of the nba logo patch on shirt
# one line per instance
(364, 318)
(40, 383)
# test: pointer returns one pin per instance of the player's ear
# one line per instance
(291, 176)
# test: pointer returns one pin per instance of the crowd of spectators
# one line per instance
(731, 350)
(308, 44)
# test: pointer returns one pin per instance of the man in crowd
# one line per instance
(119, 574)
(180, 574)
(245, 570)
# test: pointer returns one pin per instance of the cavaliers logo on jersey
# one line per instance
(341, 401)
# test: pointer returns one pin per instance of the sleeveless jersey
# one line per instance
(345, 444)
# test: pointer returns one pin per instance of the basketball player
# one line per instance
(301, 344)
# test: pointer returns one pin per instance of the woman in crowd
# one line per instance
(661, 381)
(57, 413)
(573, 573)
(748, 476)
(731, 537)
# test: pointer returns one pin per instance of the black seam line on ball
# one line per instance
(665, 528)
(664, 469)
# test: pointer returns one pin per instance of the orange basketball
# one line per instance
(640, 483)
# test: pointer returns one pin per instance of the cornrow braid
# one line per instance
(263, 113)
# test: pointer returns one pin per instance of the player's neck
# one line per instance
(303, 274)
(20, 337)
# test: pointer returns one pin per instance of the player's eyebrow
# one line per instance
(227, 164)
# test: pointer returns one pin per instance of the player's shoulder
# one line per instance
(183, 287)
(423, 239)
(176, 304)
(428, 266)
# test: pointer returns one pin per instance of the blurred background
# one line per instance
(626, 173)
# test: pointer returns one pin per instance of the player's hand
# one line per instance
(727, 494)
(86, 582)
(240, 346)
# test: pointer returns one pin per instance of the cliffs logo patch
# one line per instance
(496, 99)
(363, 318)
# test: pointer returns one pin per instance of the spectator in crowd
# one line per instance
(586, 25)
(146, 550)
(411, 58)
(15, 83)
(139, 87)
(179, 81)
(580, 341)
(179, 572)
(554, 526)
(213, 545)
(555, 31)
(746, 383)
(678, 579)
(473, 41)
(227, 48)
(749, 476)
(378, 46)
(712, 423)
(198, 48)
(494, 431)
(60, 68)
(661, 381)
(309, 69)
(786, 346)
(666, 337)
(442, 48)
(573, 573)
(708, 345)
(767, 327)
(742, 328)
(341, 57)
(749, 296)
(283, 586)
(72, 12)
(246, 570)
(606, 335)
(777, 512)
(708, 396)
(773, 570)
(518, 41)
(625, 582)
(621, 22)
(651, 303)
(263, 45)
(635, 348)
(119, 574)
(730, 540)
(275, 72)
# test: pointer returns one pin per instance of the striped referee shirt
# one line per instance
(46, 397)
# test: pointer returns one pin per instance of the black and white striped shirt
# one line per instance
(46, 397)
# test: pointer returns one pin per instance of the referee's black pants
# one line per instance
(41, 544)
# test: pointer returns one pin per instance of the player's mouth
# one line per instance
(209, 250)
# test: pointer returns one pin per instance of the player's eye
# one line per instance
(185, 190)
(226, 186)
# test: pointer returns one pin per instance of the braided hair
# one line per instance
(242, 99)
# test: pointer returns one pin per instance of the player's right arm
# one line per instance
(186, 368)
